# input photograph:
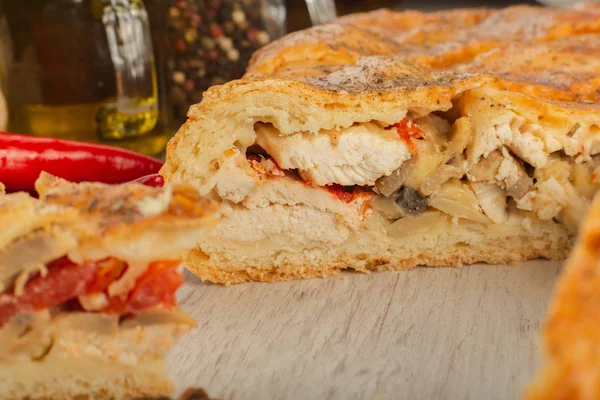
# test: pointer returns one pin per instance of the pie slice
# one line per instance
(355, 145)
(88, 275)
(571, 335)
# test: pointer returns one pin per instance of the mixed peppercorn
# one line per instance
(210, 42)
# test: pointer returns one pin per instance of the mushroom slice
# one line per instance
(435, 167)
(492, 200)
(411, 201)
(429, 159)
(458, 200)
(388, 185)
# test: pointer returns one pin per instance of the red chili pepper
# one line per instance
(154, 180)
(24, 157)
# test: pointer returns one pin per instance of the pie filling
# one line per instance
(439, 162)
(64, 286)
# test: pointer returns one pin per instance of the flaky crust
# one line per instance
(106, 210)
(24, 214)
(87, 380)
(571, 334)
(95, 356)
(446, 40)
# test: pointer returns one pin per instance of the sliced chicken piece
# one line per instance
(358, 155)
(512, 131)
(557, 167)
(547, 199)
(492, 200)
(525, 144)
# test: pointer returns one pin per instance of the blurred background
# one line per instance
(125, 72)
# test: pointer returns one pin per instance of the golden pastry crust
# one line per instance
(87, 380)
(113, 210)
(440, 40)
(571, 334)
(566, 69)
(102, 356)
(24, 214)
(418, 28)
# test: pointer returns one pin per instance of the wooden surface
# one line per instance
(469, 333)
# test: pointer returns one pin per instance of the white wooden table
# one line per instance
(469, 333)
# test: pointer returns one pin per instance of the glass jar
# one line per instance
(210, 42)
(82, 69)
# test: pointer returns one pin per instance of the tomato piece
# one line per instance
(343, 193)
(8, 308)
(107, 271)
(63, 281)
(407, 130)
(66, 281)
(157, 286)
(116, 305)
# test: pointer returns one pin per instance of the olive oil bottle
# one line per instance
(84, 70)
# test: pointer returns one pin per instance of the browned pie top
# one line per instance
(549, 53)
(128, 208)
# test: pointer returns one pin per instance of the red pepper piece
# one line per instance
(63, 281)
(343, 193)
(66, 280)
(24, 157)
(107, 271)
(407, 130)
(157, 286)
(154, 180)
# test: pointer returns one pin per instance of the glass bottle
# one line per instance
(84, 70)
